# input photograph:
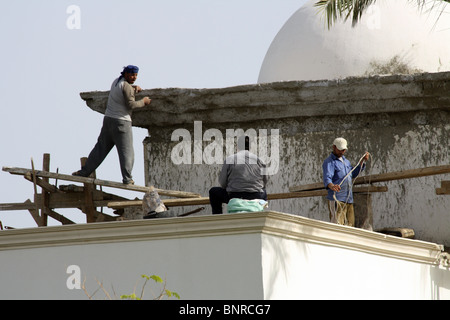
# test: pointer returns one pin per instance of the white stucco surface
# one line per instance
(261, 255)
(305, 49)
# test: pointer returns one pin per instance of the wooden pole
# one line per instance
(205, 200)
(45, 194)
(88, 208)
(35, 212)
(59, 217)
(105, 183)
(383, 177)
(27, 205)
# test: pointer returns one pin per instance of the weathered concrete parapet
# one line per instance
(403, 121)
(281, 100)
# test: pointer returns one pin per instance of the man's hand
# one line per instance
(365, 157)
(137, 89)
(334, 187)
(147, 100)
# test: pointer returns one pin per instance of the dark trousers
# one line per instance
(218, 195)
(117, 133)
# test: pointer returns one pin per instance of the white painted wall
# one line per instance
(240, 256)
(195, 268)
(299, 270)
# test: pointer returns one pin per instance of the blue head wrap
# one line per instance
(130, 69)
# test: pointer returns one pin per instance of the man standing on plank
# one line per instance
(117, 129)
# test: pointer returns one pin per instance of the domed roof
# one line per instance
(392, 37)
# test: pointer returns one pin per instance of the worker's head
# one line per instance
(339, 147)
(130, 73)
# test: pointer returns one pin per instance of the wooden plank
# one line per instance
(71, 188)
(442, 191)
(318, 193)
(307, 187)
(68, 203)
(35, 214)
(407, 174)
(383, 177)
(167, 202)
(59, 217)
(399, 232)
(272, 196)
(27, 205)
(76, 199)
(105, 183)
(30, 206)
(42, 183)
(100, 217)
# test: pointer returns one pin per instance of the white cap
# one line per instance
(340, 143)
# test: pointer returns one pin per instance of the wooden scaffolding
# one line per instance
(88, 198)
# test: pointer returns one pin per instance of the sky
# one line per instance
(54, 49)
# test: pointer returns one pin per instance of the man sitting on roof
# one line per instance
(242, 176)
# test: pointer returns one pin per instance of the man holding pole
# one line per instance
(338, 175)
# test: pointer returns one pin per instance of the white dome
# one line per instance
(390, 34)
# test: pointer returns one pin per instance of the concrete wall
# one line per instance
(403, 121)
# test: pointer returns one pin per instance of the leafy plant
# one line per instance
(157, 279)
(133, 296)
(335, 10)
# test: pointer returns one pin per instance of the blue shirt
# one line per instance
(334, 170)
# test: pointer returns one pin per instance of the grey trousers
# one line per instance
(117, 133)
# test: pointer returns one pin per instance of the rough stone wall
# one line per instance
(403, 121)
(415, 141)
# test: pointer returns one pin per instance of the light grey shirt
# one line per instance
(243, 172)
(121, 100)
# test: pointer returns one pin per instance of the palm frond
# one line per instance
(335, 10)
